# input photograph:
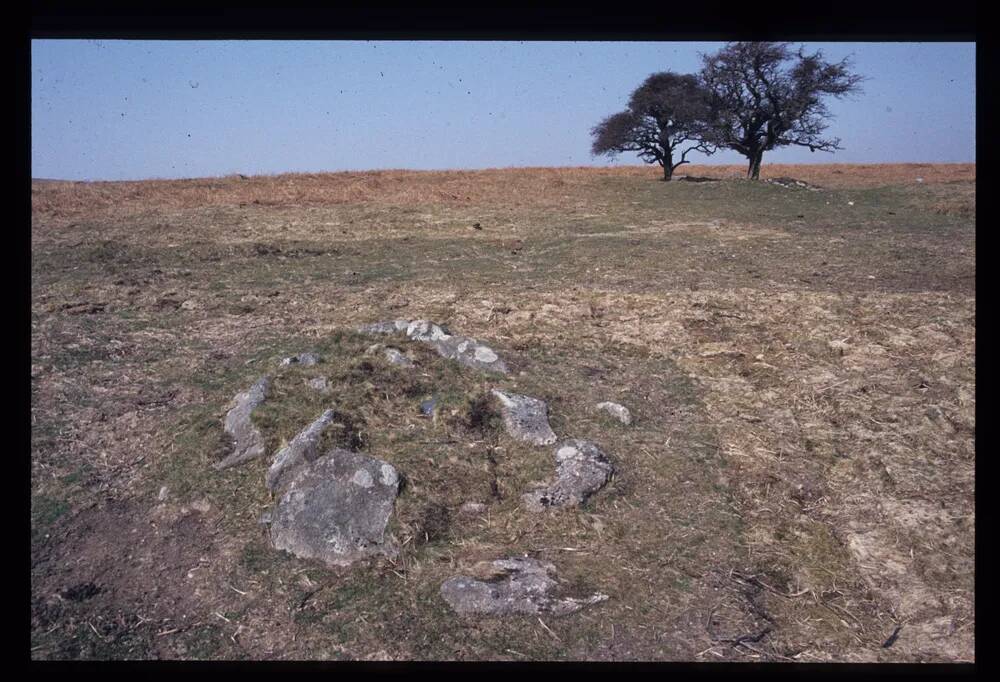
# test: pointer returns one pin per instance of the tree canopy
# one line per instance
(764, 95)
(666, 113)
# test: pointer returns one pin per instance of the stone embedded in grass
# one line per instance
(525, 418)
(472, 508)
(388, 327)
(470, 353)
(247, 440)
(336, 509)
(321, 384)
(425, 330)
(304, 359)
(427, 407)
(392, 355)
(619, 412)
(461, 349)
(396, 358)
(510, 586)
(303, 448)
(581, 470)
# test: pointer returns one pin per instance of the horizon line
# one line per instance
(651, 167)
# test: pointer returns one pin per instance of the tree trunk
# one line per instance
(753, 168)
(667, 161)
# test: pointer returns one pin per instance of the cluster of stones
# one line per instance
(334, 506)
(461, 349)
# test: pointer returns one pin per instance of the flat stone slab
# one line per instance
(304, 359)
(510, 586)
(303, 448)
(525, 418)
(619, 412)
(247, 440)
(581, 470)
(462, 349)
(336, 509)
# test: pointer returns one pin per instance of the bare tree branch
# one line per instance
(764, 96)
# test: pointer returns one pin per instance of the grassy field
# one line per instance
(798, 484)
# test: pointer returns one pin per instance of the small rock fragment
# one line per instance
(581, 470)
(304, 359)
(201, 506)
(304, 447)
(525, 418)
(428, 406)
(162, 495)
(514, 585)
(619, 412)
(247, 440)
(319, 383)
(472, 508)
(337, 508)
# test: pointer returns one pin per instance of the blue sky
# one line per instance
(117, 109)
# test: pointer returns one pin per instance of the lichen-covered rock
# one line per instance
(470, 353)
(304, 447)
(246, 437)
(336, 509)
(619, 412)
(304, 359)
(510, 586)
(581, 470)
(525, 418)
(425, 330)
(462, 349)
(396, 358)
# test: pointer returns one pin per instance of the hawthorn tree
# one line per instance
(764, 96)
(667, 112)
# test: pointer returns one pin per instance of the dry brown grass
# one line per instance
(849, 175)
(512, 187)
(801, 365)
